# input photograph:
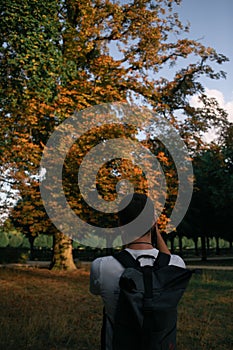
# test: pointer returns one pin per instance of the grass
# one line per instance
(45, 310)
(205, 313)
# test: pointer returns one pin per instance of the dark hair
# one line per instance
(135, 207)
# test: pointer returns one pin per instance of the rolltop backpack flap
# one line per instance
(132, 288)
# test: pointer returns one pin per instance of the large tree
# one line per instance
(57, 56)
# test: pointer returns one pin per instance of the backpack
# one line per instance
(146, 313)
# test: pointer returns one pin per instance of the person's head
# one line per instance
(131, 211)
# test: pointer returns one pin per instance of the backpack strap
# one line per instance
(162, 260)
(126, 259)
(147, 309)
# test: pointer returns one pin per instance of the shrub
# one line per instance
(4, 240)
(15, 239)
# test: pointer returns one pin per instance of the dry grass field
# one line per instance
(45, 310)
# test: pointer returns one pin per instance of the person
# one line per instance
(106, 271)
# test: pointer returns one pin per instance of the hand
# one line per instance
(161, 245)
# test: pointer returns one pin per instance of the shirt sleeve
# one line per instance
(176, 260)
(95, 277)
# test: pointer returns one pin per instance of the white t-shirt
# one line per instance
(105, 275)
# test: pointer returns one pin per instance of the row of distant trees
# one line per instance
(16, 239)
(57, 56)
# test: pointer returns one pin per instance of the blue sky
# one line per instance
(211, 22)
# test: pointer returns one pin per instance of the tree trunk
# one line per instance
(203, 248)
(172, 240)
(62, 253)
(230, 245)
(180, 245)
(109, 243)
(196, 245)
(217, 245)
(31, 240)
(208, 244)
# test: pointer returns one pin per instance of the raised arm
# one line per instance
(161, 245)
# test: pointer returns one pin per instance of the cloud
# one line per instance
(227, 106)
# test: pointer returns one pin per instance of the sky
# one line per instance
(211, 22)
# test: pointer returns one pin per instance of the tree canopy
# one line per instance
(58, 56)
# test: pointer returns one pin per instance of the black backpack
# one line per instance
(146, 313)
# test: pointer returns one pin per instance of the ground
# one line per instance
(46, 310)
